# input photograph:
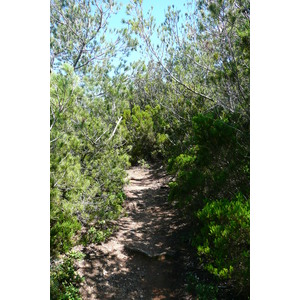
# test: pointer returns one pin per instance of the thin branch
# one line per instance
(120, 119)
(100, 137)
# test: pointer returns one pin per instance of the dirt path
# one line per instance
(145, 258)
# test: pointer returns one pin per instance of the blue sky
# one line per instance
(160, 7)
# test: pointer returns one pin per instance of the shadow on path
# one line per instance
(146, 256)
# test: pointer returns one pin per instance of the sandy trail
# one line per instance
(145, 258)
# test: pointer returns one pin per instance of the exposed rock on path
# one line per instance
(145, 258)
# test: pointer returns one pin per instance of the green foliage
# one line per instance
(146, 143)
(140, 125)
(63, 228)
(223, 240)
(64, 281)
(143, 164)
(203, 291)
(215, 164)
(78, 33)
(97, 236)
(203, 56)
(76, 255)
(87, 160)
(189, 105)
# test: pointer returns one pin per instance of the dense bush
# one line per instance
(64, 281)
(216, 163)
(144, 138)
(223, 240)
(63, 228)
(200, 289)
(87, 161)
(212, 188)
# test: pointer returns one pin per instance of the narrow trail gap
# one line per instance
(145, 258)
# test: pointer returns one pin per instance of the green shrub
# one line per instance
(64, 281)
(143, 164)
(97, 236)
(141, 134)
(87, 160)
(215, 165)
(147, 143)
(62, 230)
(203, 291)
(223, 240)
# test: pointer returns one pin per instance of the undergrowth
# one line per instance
(64, 280)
